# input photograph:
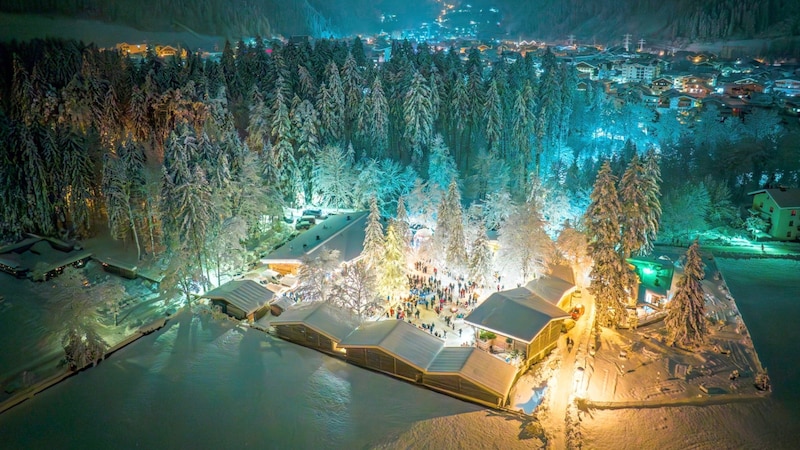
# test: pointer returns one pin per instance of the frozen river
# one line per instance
(200, 384)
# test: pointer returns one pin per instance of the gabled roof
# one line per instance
(343, 232)
(550, 288)
(247, 295)
(785, 198)
(401, 339)
(517, 313)
(322, 317)
(476, 366)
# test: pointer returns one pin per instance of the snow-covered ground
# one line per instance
(203, 383)
(766, 295)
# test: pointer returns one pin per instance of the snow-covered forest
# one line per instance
(196, 156)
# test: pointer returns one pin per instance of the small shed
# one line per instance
(471, 374)
(394, 347)
(242, 299)
(317, 325)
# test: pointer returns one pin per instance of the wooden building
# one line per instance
(394, 347)
(341, 232)
(530, 323)
(242, 299)
(471, 374)
(318, 325)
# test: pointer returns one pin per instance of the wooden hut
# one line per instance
(532, 324)
(471, 374)
(242, 299)
(318, 325)
(394, 347)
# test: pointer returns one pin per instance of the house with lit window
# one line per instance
(779, 208)
(788, 87)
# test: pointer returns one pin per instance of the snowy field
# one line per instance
(199, 383)
(766, 293)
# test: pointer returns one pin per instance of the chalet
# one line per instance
(779, 208)
(677, 101)
(661, 84)
(242, 299)
(341, 232)
(590, 69)
(740, 86)
(165, 51)
(318, 325)
(523, 320)
(131, 49)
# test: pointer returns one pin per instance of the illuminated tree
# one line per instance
(610, 276)
(123, 186)
(481, 263)
(525, 248)
(314, 280)
(357, 288)
(83, 346)
(686, 320)
(333, 176)
(392, 280)
(373, 250)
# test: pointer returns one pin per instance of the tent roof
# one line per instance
(343, 232)
(401, 339)
(326, 319)
(247, 295)
(517, 313)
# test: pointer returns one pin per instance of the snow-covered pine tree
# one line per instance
(417, 114)
(635, 209)
(374, 241)
(686, 320)
(652, 188)
(525, 247)
(401, 219)
(610, 276)
(393, 268)
(481, 264)
(333, 177)
(456, 247)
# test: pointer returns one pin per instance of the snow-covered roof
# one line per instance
(785, 198)
(550, 287)
(246, 295)
(517, 313)
(343, 232)
(401, 339)
(322, 317)
(476, 366)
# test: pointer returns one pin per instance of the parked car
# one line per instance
(303, 225)
(577, 311)
(316, 213)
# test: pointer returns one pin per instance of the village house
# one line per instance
(644, 71)
(127, 49)
(661, 85)
(740, 86)
(779, 208)
(788, 87)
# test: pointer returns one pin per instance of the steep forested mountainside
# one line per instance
(673, 19)
(602, 19)
(235, 18)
